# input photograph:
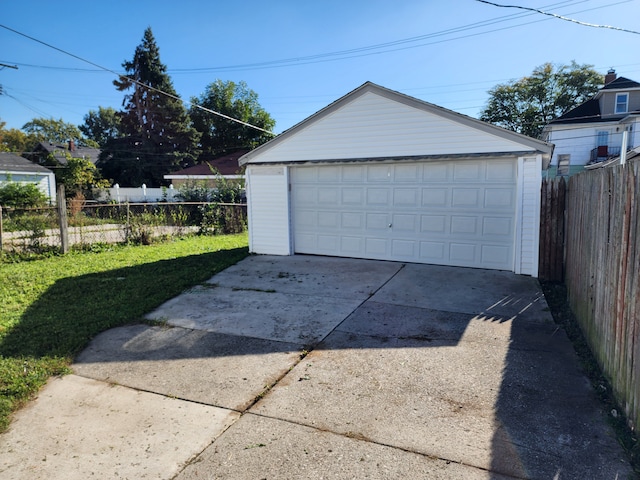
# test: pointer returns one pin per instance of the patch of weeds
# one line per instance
(556, 296)
(163, 323)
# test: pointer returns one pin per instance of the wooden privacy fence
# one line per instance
(602, 269)
(552, 211)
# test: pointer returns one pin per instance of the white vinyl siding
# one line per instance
(268, 210)
(527, 238)
(449, 213)
(45, 182)
(372, 126)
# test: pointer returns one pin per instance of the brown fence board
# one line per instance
(552, 206)
(602, 266)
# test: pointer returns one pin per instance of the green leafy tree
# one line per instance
(56, 131)
(528, 104)
(80, 176)
(21, 195)
(101, 126)
(221, 135)
(14, 140)
(157, 135)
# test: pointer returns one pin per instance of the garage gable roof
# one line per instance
(14, 163)
(373, 122)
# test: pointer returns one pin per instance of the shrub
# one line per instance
(21, 195)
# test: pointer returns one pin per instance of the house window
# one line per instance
(564, 161)
(602, 138)
(622, 102)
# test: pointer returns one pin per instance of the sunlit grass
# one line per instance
(50, 308)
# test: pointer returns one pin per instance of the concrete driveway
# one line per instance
(316, 367)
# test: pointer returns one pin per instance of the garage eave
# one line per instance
(413, 158)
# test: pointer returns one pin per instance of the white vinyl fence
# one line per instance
(141, 194)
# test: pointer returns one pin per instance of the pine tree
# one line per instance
(156, 133)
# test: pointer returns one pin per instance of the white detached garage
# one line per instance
(381, 175)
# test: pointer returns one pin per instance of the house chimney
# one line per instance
(72, 146)
(610, 76)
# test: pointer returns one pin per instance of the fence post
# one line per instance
(62, 216)
(0, 229)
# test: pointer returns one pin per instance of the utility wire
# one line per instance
(554, 15)
(133, 80)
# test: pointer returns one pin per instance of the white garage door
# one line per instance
(448, 213)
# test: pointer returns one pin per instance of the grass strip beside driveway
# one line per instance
(51, 308)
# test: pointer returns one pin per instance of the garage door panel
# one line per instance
(497, 226)
(328, 196)
(435, 197)
(433, 252)
(463, 253)
(434, 224)
(376, 247)
(352, 220)
(305, 175)
(306, 196)
(404, 222)
(305, 219)
(354, 173)
(328, 243)
(352, 245)
(465, 225)
(406, 197)
(502, 172)
(499, 198)
(468, 172)
(495, 254)
(451, 213)
(377, 221)
(329, 173)
(378, 196)
(353, 196)
(379, 173)
(465, 197)
(436, 172)
(406, 173)
(403, 249)
(306, 242)
(329, 220)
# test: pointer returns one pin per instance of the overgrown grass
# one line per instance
(50, 308)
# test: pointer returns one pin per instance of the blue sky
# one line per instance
(447, 52)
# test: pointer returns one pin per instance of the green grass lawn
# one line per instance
(51, 308)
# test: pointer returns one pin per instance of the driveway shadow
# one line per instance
(457, 364)
(549, 423)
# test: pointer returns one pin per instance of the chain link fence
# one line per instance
(40, 229)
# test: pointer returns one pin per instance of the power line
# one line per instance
(133, 80)
(560, 17)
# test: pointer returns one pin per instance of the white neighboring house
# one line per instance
(593, 131)
(381, 175)
(14, 168)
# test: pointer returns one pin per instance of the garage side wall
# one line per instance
(268, 210)
(528, 208)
